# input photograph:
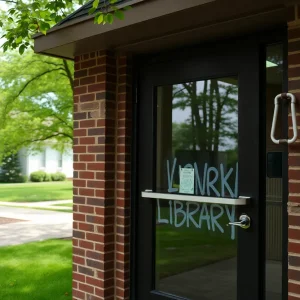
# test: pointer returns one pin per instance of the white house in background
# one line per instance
(48, 160)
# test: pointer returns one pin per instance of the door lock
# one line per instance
(244, 222)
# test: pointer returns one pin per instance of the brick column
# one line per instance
(123, 168)
(102, 131)
(294, 156)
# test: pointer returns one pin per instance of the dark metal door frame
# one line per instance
(240, 56)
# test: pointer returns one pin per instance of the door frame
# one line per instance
(262, 39)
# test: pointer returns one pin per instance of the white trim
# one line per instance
(201, 199)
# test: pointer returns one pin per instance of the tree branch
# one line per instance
(177, 92)
(9, 1)
(68, 71)
(62, 120)
(26, 84)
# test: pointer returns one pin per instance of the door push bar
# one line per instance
(241, 200)
(291, 97)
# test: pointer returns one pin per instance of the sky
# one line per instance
(3, 5)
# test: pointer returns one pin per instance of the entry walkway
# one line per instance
(42, 204)
(33, 225)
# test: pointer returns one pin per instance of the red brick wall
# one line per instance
(102, 141)
(102, 131)
(294, 155)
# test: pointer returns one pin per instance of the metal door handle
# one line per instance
(294, 119)
(244, 223)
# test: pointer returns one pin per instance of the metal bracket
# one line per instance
(284, 96)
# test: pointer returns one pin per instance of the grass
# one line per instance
(43, 270)
(36, 271)
(34, 192)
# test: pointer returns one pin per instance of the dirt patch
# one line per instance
(8, 220)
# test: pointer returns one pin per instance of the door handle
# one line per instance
(244, 222)
(294, 119)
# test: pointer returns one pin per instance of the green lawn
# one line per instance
(42, 270)
(36, 271)
(182, 249)
(34, 192)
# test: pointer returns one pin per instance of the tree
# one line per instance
(35, 102)
(10, 171)
(210, 124)
(24, 18)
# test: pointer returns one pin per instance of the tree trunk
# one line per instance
(218, 118)
(210, 116)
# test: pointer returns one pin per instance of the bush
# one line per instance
(58, 176)
(22, 179)
(38, 176)
(47, 177)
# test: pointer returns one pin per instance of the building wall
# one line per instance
(102, 122)
(102, 139)
(31, 162)
(294, 156)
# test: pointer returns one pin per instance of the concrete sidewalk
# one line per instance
(33, 225)
(42, 204)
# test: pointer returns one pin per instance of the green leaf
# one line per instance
(113, 1)
(44, 14)
(58, 19)
(96, 4)
(51, 6)
(109, 18)
(19, 40)
(11, 11)
(35, 5)
(33, 26)
(5, 46)
(100, 19)
(44, 27)
(22, 49)
(92, 10)
(119, 14)
(53, 16)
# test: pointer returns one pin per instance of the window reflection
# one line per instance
(197, 133)
(197, 128)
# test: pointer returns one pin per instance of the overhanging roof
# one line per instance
(155, 24)
(83, 11)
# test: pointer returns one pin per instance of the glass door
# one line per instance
(200, 175)
(197, 154)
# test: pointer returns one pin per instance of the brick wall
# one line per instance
(294, 156)
(102, 131)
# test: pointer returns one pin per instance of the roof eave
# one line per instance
(81, 19)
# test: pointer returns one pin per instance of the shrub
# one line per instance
(47, 177)
(10, 171)
(58, 176)
(38, 176)
(22, 179)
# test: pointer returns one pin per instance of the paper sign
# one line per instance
(187, 178)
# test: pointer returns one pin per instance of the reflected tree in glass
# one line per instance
(210, 126)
